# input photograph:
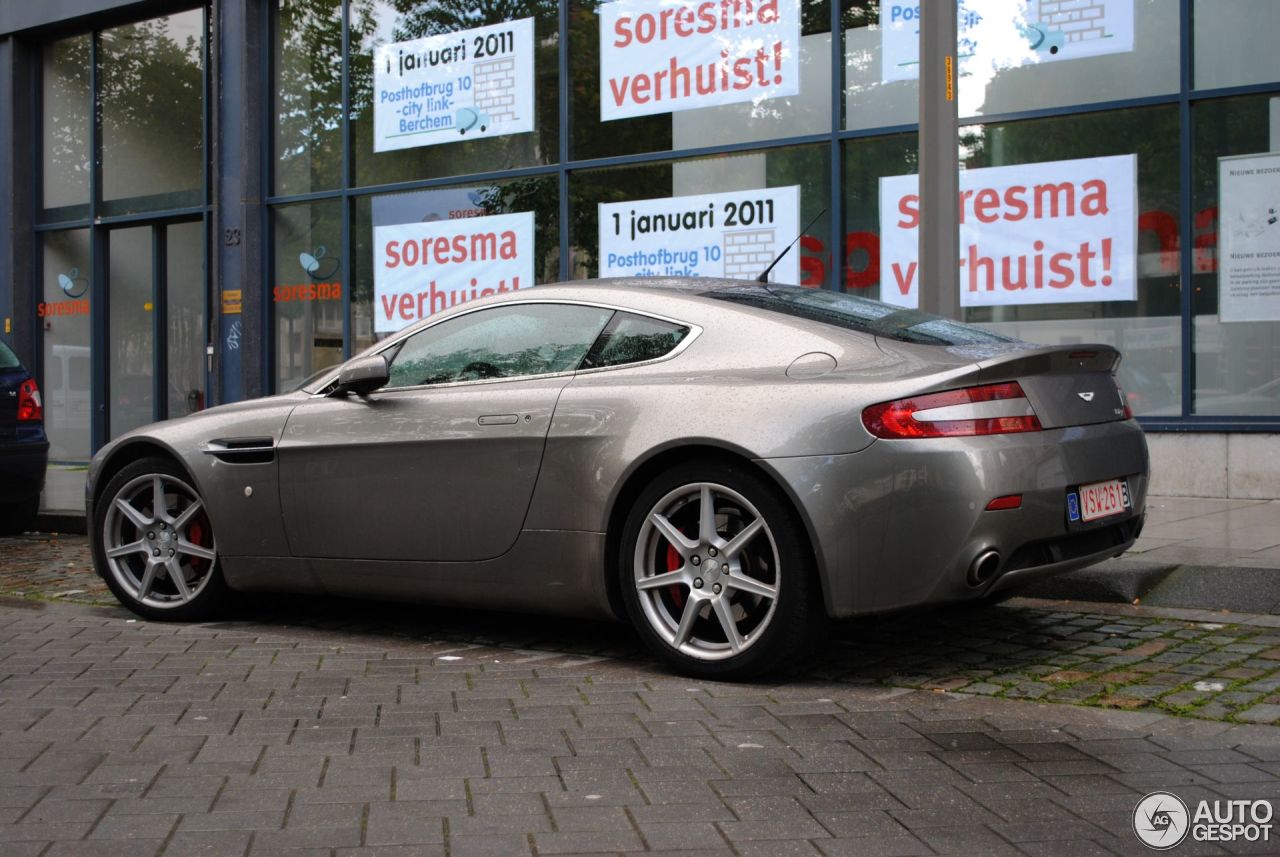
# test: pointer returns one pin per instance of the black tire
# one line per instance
(773, 633)
(171, 539)
(18, 516)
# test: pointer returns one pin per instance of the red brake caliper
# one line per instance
(673, 563)
(195, 535)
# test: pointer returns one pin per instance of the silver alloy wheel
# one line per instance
(722, 592)
(158, 542)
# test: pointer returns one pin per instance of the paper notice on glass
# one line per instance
(1249, 238)
(1044, 233)
(455, 86)
(420, 269)
(734, 235)
(999, 34)
(659, 56)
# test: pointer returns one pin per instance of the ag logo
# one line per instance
(1161, 820)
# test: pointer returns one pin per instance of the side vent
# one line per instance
(242, 450)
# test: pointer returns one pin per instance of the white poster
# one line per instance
(1055, 232)
(1249, 229)
(422, 268)
(457, 86)
(1008, 33)
(734, 235)
(661, 56)
(451, 203)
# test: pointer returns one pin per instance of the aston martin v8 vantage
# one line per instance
(724, 464)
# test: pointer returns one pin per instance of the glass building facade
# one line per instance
(199, 198)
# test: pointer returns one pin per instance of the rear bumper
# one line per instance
(901, 522)
(1040, 560)
(22, 468)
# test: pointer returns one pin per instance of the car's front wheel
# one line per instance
(717, 576)
(153, 543)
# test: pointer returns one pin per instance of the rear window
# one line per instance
(8, 360)
(861, 314)
(633, 339)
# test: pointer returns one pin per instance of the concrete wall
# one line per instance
(1200, 464)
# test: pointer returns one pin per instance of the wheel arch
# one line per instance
(127, 453)
(659, 460)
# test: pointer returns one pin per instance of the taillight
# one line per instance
(989, 409)
(30, 407)
(1127, 399)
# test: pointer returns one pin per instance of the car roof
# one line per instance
(674, 296)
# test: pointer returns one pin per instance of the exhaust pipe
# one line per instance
(984, 567)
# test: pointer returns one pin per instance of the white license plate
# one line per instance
(1102, 499)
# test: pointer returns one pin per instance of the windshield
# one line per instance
(861, 314)
(312, 379)
(8, 360)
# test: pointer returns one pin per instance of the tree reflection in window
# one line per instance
(504, 342)
(634, 339)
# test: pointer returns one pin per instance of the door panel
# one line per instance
(415, 474)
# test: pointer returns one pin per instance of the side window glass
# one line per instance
(634, 339)
(503, 342)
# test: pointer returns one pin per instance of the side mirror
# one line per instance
(363, 375)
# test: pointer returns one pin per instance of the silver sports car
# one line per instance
(723, 464)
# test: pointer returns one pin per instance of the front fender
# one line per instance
(242, 497)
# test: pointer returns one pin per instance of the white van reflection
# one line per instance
(66, 389)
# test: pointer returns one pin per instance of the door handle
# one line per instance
(498, 420)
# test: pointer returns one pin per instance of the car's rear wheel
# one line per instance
(153, 543)
(716, 573)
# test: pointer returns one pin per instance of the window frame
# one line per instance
(610, 329)
(324, 387)
(495, 308)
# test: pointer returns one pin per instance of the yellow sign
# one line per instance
(8, 325)
(951, 80)
(231, 302)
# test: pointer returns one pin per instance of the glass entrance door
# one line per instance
(186, 332)
(156, 323)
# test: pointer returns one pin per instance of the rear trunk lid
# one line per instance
(1071, 385)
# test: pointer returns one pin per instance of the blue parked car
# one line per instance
(24, 448)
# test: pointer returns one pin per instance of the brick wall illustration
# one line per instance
(747, 253)
(1078, 20)
(495, 88)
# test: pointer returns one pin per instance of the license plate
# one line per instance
(1098, 500)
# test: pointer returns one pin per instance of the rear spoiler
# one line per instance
(1049, 360)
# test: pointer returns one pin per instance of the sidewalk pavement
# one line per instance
(251, 738)
(1195, 553)
(333, 727)
(1194, 639)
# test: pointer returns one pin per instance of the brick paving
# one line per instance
(1215, 666)
(1218, 670)
(51, 566)
(354, 734)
